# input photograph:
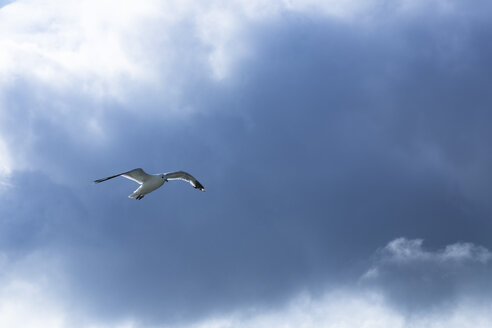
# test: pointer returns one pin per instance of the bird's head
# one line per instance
(163, 177)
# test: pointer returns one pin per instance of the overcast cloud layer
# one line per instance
(344, 149)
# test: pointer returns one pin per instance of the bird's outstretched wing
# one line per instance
(137, 175)
(180, 175)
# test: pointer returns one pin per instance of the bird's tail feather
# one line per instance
(136, 193)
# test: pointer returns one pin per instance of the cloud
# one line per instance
(414, 268)
(28, 287)
(349, 309)
(406, 251)
(417, 278)
(321, 136)
(20, 301)
(34, 293)
(5, 160)
(69, 46)
(23, 304)
(103, 49)
(31, 303)
(77, 66)
(333, 309)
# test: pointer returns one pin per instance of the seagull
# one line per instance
(150, 182)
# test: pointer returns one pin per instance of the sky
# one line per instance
(344, 147)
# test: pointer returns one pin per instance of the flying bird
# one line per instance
(150, 182)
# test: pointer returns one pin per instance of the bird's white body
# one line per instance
(151, 182)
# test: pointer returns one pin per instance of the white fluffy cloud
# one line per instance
(25, 305)
(5, 160)
(335, 309)
(105, 47)
(406, 250)
(352, 309)
(93, 46)
(27, 297)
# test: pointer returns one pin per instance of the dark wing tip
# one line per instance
(104, 179)
(198, 185)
